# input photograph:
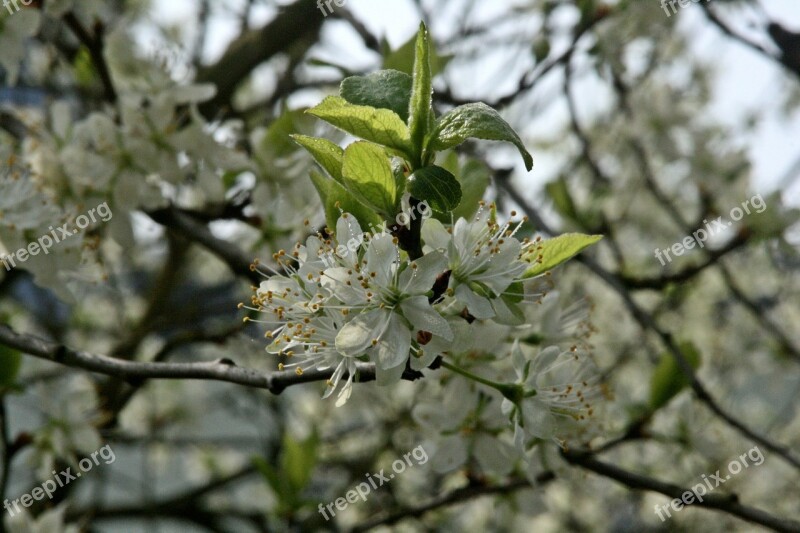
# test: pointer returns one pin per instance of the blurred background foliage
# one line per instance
(178, 116)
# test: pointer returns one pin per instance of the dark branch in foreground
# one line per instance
(726, 503)
(457, 496)
(224, 370)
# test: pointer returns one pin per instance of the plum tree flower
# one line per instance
(412, 291)
(557, 390)
(394, 304)
(484, 259)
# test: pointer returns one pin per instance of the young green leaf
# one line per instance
(385, 89)
(420, 110)
(10, 363)
(329, 155)
(668, 379)
(368, 175)
(298, 459)
(562, 199)
(335, 199)
(380, 126)
(552, 252)
(479, 121)
(437, 187)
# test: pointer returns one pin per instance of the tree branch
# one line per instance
(224, 370)
(294, 23)
(457, 496)
(728, 504)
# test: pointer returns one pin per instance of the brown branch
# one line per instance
(223, 370)
(94, 44)
(457, 496)
(198, 232)
(648, 323)
(726, 503)
(300, 21)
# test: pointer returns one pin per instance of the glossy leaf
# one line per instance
(385, 89)
(329, 155)
(479, 121)
(369, 177)
(437, 187)
(668, 379)
(420, 111)
(380, 126)
(552, 252)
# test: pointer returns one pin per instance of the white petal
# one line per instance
(425, 318)
(451, 454)
(507, 313)
(389, 376)
(546, 358)
(495, 456)
(381, 255)
(478, 306)
(435, 235)
(346, 392)
(518, 359)
(337, 375)
(539, 421)
(420, 279)
(357, 335)
(394, 344)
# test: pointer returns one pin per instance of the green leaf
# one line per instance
(437, 187)
(562, 200)
(335, 198)
(479, 121)
(552, 252)
(668, 379)
(368, 175)
(380, 126)
(329, 155)
(272, 477)
(420, 111)
(10, 363)
(385, 89)
(298, 459)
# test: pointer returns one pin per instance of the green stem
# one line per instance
(512, 392)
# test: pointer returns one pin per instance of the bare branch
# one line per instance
(457, 496)
(224, 370)
(296, 22)
(728, 503)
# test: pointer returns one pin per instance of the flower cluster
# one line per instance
(379, 305)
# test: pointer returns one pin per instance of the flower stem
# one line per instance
(512, 392)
